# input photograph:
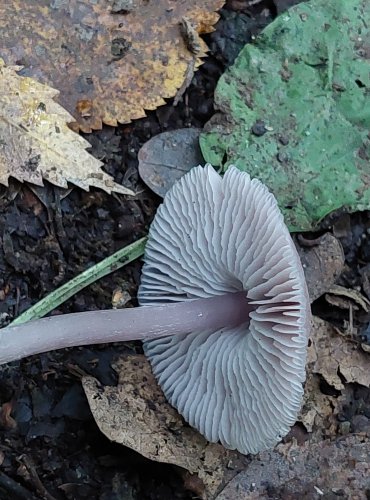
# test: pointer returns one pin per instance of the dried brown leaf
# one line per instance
(136, 414)
(336, 358)
(110, 64)
(322, 264)
(317, 408)
(35, 141)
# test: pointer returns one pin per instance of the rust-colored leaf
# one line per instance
(110, 65)
(36, 142)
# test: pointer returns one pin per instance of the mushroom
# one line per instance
(225, 311)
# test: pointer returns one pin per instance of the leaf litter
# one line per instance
(332, 459)
(136, 414)
(336, 358)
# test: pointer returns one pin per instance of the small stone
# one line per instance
(360, 423)
(283, 140)
(120, 47)
(282, 157)
(122, 6)
(259, 128)
(344, 427)
(365, 347)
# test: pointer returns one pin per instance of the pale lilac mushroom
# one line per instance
(226, 315)
(239, 385)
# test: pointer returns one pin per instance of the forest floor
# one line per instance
(50, 445)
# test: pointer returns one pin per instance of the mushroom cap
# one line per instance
(213, 235)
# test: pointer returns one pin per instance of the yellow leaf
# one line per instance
(36, 142)
(110, 64)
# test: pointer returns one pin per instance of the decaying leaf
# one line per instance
(322, 262)
(340, 362)
(336, 358)
(109, 63)
(350, 301)
(330, 469)
(351, 294)
(35, 141)
(166, 157)
(136, 414)
(317, 408)
(287, 103)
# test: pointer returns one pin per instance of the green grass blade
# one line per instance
(66, 291)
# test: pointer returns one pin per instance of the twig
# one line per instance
(13, 489)
(187, 81)
(35, 478)
(193, 42)
(304, 242)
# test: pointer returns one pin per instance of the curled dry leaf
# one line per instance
(336, 358)
(35, 141)
(136, 414)
(110, 64)
(353, 295)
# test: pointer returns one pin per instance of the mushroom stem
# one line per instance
(141, 323)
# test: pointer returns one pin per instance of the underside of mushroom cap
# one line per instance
(213, 235)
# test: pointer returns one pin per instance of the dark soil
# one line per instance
(50, 446)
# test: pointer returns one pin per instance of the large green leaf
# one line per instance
(307, 79)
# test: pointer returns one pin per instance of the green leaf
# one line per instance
(305, 82)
